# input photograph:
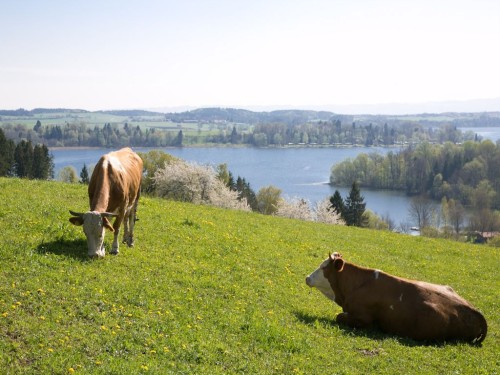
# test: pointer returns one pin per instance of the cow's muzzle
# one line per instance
(309, 281)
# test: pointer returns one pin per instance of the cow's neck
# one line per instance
(349, 279)
(100, 197)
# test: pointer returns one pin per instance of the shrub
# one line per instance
(300, 209)
(191, 182)
(294, 209)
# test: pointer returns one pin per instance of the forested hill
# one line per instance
(292, 116)
(287, 116)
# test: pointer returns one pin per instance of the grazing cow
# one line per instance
(114, 191)
(414, 309)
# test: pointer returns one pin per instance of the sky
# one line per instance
(317, 54)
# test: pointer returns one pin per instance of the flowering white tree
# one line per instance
(221, 196)
(300, 209)
(296, 208)
(324, 214)
(191, 182)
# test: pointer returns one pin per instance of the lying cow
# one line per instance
(414, 309)
(114, 191)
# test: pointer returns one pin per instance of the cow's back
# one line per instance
(116, 179)
(426, 311)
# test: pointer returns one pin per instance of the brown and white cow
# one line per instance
(114, 191)
(414, 309)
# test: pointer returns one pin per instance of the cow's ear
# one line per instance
(338, 264)
(76, 220)
(107, 224)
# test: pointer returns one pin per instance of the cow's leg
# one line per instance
(126, 229)
(130, 220)
(116, 226)
(354, 320)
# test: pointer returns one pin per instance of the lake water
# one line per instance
(298, 172)
(492, 133)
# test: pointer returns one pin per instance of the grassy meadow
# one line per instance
(212, 291)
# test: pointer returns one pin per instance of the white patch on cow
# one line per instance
(94, 231)
(391, 307)
(377, 274)
(401, 298)
(115, 163)
(318, 280)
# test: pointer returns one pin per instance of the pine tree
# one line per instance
(84, 175)
(23, 156)
(41, 163)
(234, 136)
(355, 207)
(337, 203)
(178, 140)
(7, 147)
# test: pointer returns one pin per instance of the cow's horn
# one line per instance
(77, 214)
(108, 214)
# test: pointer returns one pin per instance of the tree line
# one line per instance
(24, 159)
(465, 178)
(467, 172)
(328, 132)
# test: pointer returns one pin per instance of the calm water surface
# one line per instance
(298, 172)
(492, 133)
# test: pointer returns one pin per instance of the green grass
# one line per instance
(212, 291)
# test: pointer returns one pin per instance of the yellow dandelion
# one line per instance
(71, 370)
(50, 350)
(144, 367)
(5, 314)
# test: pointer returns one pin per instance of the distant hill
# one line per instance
(291, 116)
(283, 116)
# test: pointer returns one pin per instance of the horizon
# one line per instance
(305, 54)
(388, 109)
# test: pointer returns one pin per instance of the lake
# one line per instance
(298, 172)
(492, 133)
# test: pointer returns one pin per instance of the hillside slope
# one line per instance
(211, 291)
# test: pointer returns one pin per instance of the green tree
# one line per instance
(68, 174)
(337, 203)
(38, 126)
(84, 175)
(355, 207)
(7, 147)
(234, 136)
(245, 191)
(179, 139)
(23, 156)
(267, 200)
(152, 162)
(43, 165)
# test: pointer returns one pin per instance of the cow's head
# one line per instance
(94, 223)
(318, 279)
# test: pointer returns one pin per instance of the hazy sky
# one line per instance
(102, 54)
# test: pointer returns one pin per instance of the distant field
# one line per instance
(212, 291)
(92, 119)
